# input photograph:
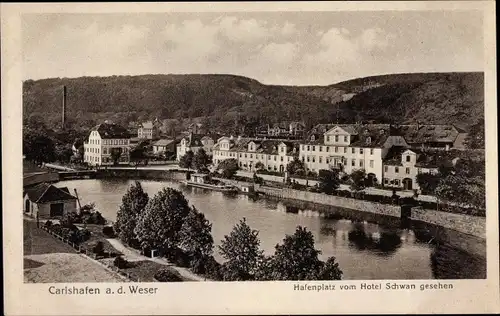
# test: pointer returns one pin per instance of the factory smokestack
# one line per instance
(63, 121)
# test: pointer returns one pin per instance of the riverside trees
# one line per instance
(180, 232)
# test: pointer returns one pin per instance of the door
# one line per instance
(408, 184)
(27, 206)
(56, 209)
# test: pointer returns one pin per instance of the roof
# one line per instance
(164, 142)
(45, 192)
(297, 124)
(111, 131)
(393, 156)
(147, 124)
(434, 133)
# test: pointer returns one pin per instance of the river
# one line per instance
(365, 248)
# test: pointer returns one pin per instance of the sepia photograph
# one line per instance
(244, 146)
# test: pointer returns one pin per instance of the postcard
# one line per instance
(250, 158)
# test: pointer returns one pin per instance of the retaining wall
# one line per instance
(142, 174)
(35, 179)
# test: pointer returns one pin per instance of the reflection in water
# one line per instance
(395, 251)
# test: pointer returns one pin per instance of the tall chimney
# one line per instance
(63, 121)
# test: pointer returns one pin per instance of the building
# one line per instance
(149, 130)
(348, 147)
(164, 146)
(194, 142)
(282, 130)
(271, 155)
(103, 141)
(402, 165)
(47, 201)
(196, 128)
(433, 136)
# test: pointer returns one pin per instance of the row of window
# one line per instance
(346, 138)
(396, 169)
(328, 160)
(105, 150)
(335, 149)
(109, 141)
(251, 156)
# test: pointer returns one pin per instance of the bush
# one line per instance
(98, 248)
(167, 275)
(213, 269)
(48, 224)
(120, 263)
(108, 231)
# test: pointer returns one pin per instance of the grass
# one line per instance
(96, 236)
(144, 270)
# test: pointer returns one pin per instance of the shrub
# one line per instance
(213, 269)
(98, 248)
(48, 224)
(108, 231)
(167, 275)
(85, 234)
(120, 262)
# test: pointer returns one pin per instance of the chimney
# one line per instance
(63, 117)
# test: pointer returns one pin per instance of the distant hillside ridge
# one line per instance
(434, 98)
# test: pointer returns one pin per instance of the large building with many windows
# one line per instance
(253, 154)
(105, 143)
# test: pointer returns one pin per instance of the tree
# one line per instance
(358, 180)
(116, 153)
(296, 258)
(295, 166)
(63, 153)
(133, 203)
(186, 161)
(330, 270)
(259, 165)
(329, 181)
(38, 147)
(241, 250)
(201, 160)
(161, 221)
(196, 237)
(229, 167)
(428, 182)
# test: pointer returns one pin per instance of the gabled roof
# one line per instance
(45, 192)
(164, 142)
(147, 124)
(111, 131)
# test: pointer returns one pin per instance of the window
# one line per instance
(346, 139)
(307, 158)
(336, 138)
(281, 158)
(353, 163)
(251, 155)
(336, 149)
(328, 138)
(361, 163)
(314, 158)
(320, 148)
(303, 159)
(353, 150)
(314, 148)
(386, 181)
(396, 169)
(282, 149)
(301, 147)
(408, 158)
(407, 170)
(327, 148)
(371, 151)
(327, 160)
(274, 158)
(396, 181)
(320, 160)
(269, 157)
(361, 151)
(245, 155)
(345, 150)
(371, 163)
(308, 147)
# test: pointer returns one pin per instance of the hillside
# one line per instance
(454, 98)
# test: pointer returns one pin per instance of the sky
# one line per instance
(286, 48)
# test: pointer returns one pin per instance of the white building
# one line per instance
(103, 140)
(274, 155)
(148, 130)
(194, 142)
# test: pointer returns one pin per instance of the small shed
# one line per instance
(247, 188)
(48, 201)
(200, 178)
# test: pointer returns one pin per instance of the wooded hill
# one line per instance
(442, 98)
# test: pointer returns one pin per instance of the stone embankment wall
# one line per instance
(331, 200)
(468, 224)
(142, 174)
(34, 179)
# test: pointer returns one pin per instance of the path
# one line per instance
(133, 255)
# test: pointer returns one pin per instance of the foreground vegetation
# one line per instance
(179, 232)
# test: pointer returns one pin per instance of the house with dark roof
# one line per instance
(402, 165)
(282, 130)
(194, 142)
(48, 201)
(149, 130)
(106, 144)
